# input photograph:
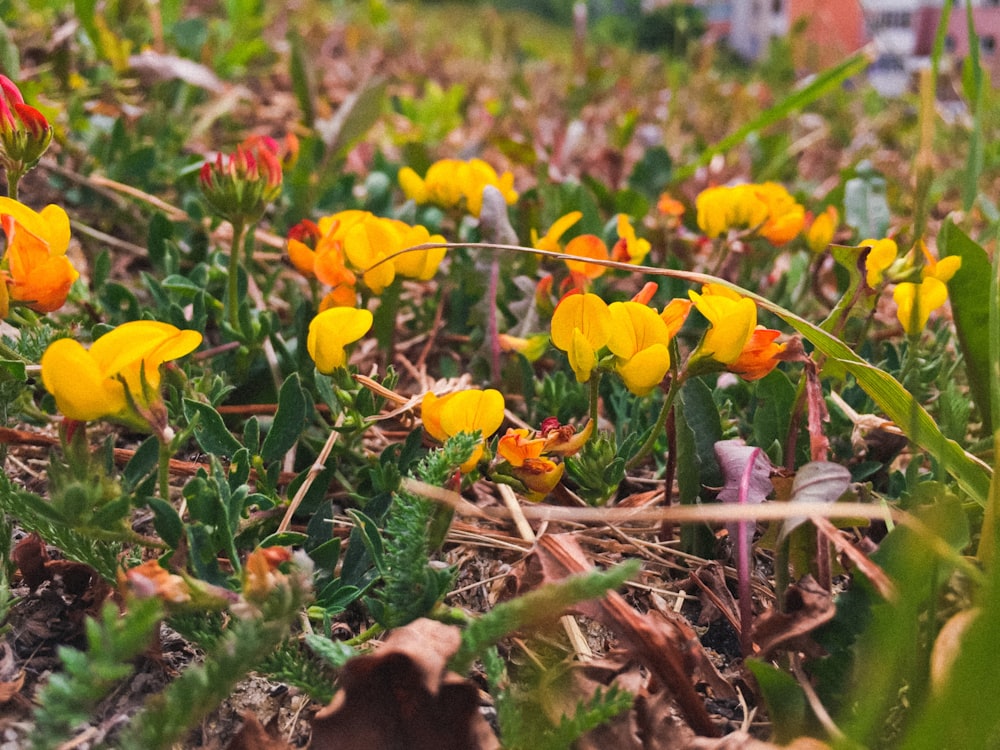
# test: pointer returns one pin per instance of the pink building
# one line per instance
(986, 20)
(830, 31)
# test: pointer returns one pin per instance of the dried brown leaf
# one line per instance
(402, 697)
(255, 736)
(807, 606)
(657, 643)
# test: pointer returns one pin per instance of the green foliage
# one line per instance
(536, 607)
(71, 696)
(411, 586)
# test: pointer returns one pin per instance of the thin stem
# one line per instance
(595, 383)
(661, 421)
(744, 537)
(164, 469)
(13, 180)
(232, 289)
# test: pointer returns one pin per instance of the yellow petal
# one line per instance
(582, 356)
(473, 411)
(732, 324)
(75, 380)
(881, 255)
(586, 313)
(915, 302)
(331, 331)
(646, 370)
(635, 327)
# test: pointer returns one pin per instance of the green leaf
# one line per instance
(818, 85)
(355, 117)
(785, 700)
(289, 420)
(775, 396)
(209, 430)
(284, 539)
(166, 521)
(652, 172)
(14, 367)
(969, 293)
(303, 83)
(866, 207)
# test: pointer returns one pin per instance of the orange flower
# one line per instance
(759, 356)
(540, 476)
(39, 273)
(586, 246)
(516, 447)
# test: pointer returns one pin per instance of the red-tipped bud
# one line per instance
(25, 134)
(239, 186)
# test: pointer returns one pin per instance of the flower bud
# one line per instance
(25, 134)
(239, 186)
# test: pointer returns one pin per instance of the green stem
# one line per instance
(661, 421)
(13, 180)
(164, 469)
(595, 387)
(232, 289)
(7, 353)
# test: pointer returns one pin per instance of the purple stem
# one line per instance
(744, 532)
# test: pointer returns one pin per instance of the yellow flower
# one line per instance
(881, 255)
(550, 240)
(914, 302)
(331, 331)
(629, 248)
(469, 411)
(767, 208)
(40, 274)
(732, 323)
(785, 217)
(943, 269)
(91, 384)
(418, 264)
(581, 326)
(821, 230)
(451, 182)
(639, 340)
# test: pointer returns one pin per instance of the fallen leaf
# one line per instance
(657, 643)
(402, 697)
(807, 606)
(255, 736)
(11, 675)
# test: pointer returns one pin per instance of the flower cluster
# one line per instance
(526, 454)
(119, 376)
(916, 300)
(35, 270)
(358, 242)
(628, 248)
(637, 335)
(766, 209)
(453, 183)
(733, 338)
